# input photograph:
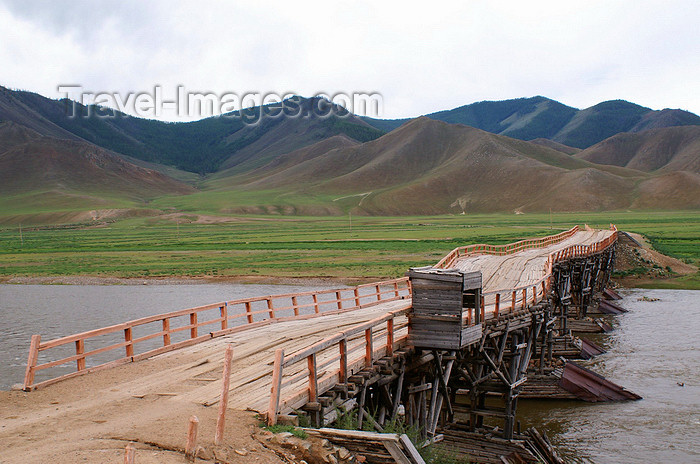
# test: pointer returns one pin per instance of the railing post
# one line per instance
(338, 300)
(524, 298)
(270, 309)
(223, 402)
(275, 387)
(343, 374)
(191, 446)
(31, 361)
(316, 308)
(193, 323)
(249, 312)
(498, 305)
(379, 293)
(390, 337)
(224, 315)
(295, 306)
(313, 379)
(80, 349)
(128, 338)
(483, 309)
(368, 347)
(166, 332)
(357, 297)
(512, 303)
(534, 294)
(396, 289)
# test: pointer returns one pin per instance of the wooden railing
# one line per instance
(152, 335)
(507, 249)
(300, 378)
(497, 302)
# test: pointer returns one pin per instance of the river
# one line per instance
(653, 348)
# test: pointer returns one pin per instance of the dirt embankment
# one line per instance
(637, 266)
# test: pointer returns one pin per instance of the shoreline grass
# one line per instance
(307, 247)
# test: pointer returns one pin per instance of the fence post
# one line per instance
(223, 403)
(275, 388)
(191, 446)
(224, 315)
(193, 323)
(270, 309)
(249, 312)
(128, 338)
(498, 304)
(31, 361)
(357, 297)
(338, 300)
(368, 347)
(343, 375)
(313, 379)
(295, 306)
(129, 454)
(390, 337)
(166, 332)
(379, 293)
(316, 308)
(396, 289)
(80, 349)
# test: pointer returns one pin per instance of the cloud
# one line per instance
(422, 58)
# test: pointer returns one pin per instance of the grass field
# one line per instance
(290, 246)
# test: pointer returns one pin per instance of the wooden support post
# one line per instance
(498, 305)
(166, 332)
(357, 297)
(80, 349)
(313, 378)
(524, 298)
(316, 308)
(191, 446)
(270, 309)
(193, 324)
(379, 293)
(368, 347)
(390, 337)
(295, 306)
(396, 289)
(483, 309)
(338, 300)
(343, 374)
(223, 309)
(512, 303)
(31, 361)
(249, 312)
(534, 294)
(128, 339)
(275, 388)
(223, 402)
(129, 454)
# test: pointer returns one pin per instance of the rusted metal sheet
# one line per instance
(608, 307)
(590, 349)
(592, 387)
(609, 294)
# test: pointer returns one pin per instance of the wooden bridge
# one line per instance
(364, 349)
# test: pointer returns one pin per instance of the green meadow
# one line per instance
(277, 246)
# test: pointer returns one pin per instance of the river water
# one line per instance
(653, 348)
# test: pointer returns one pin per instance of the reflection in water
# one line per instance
(654, 347)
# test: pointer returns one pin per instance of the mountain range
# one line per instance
(522, 155)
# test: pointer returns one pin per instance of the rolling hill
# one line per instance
(669, 149)
(41, 174)
(540, 117)
(203, 146)
(431, 167)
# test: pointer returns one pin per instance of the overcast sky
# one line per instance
(420, 56)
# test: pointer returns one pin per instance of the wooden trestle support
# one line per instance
(481, 380)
